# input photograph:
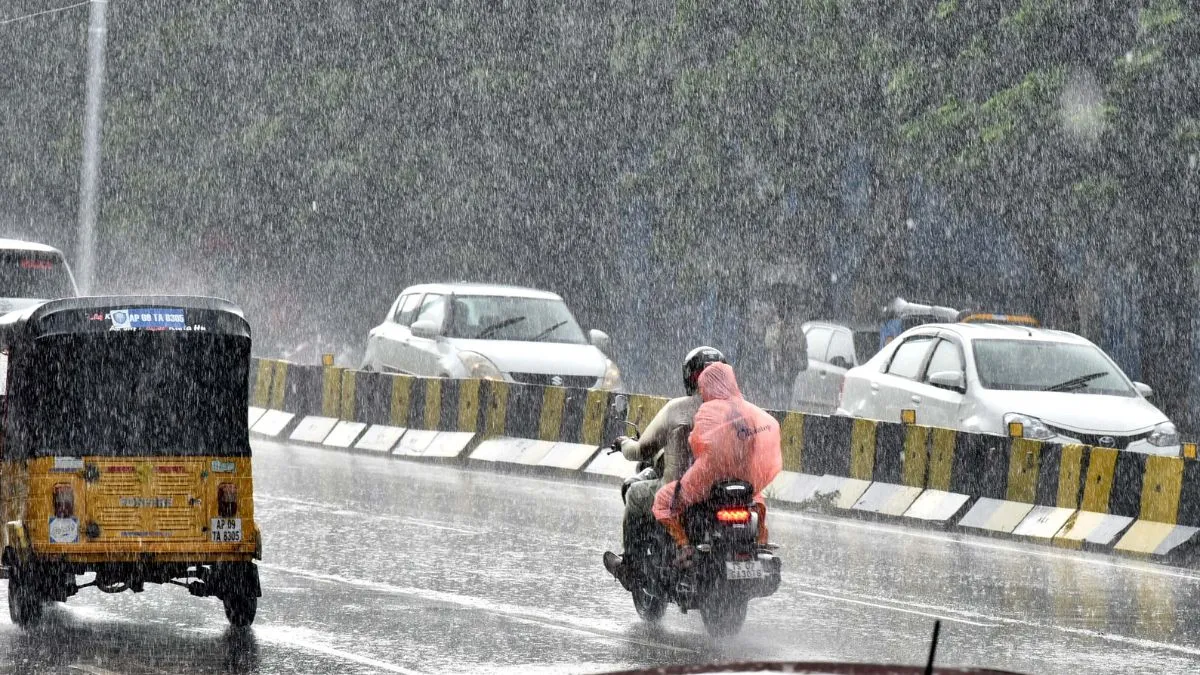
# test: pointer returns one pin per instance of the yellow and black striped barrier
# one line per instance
(1077, 496)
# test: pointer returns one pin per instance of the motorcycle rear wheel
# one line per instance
(649, 607)
(723, 616)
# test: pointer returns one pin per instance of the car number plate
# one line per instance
(226, 530)
(749, 569)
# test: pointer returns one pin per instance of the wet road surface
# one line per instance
(374, 565)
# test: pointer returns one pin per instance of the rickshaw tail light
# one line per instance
(64, 501)
(226, 500)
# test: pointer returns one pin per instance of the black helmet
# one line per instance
(694, 364)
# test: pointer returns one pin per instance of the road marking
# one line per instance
(92, 670)
(292, 636)
(1158, 569)
(944, 616)
(339, 510)
(947, 614)
(532, 615)
(965, 539)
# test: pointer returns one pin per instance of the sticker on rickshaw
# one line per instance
(222, 467)
(64, 530)
(146, 502)
(147, 319)
(67, 464)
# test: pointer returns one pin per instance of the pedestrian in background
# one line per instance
(786, 345)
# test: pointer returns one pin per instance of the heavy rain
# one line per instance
(360, 336)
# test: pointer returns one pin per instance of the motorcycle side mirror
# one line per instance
(620, 405)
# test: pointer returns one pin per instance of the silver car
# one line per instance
(491, 332)
(833, 348)
(1049, 385)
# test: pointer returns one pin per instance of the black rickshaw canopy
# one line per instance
(126, 376)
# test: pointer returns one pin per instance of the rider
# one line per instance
(732, 439)
(667, 434)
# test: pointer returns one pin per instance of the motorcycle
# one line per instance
(729, 566)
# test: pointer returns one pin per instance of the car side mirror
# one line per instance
(599, 340)
(840, 362)
(1144, 389)
(425, 329)
(954, 380)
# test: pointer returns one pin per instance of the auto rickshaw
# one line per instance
(126, 451)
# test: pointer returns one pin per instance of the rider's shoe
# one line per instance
(616, 566)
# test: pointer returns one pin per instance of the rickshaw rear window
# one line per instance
(131, 394)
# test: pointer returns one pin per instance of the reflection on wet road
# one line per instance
(377, 565)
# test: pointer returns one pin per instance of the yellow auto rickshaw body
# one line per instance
(125, 450)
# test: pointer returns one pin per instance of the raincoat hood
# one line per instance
(731, 439)
(717, 382)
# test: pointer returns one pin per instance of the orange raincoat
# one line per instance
(731, 439)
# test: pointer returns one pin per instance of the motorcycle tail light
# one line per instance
(227, 500)
(733, 515)
(64, 501)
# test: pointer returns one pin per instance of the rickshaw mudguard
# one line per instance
(257, 542)
(16, 543)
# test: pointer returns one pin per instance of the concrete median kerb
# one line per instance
(1068, 496)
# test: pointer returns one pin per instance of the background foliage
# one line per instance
(308, 159)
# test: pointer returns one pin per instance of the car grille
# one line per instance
(574, 381)
(1117, 441)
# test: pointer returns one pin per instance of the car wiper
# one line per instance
(548, 331)
(1076, 383)
(498, 325)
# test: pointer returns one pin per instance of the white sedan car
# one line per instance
(491, 332)
(983, 377)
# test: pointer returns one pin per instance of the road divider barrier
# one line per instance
(1070, 496)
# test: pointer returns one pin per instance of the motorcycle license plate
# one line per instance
(749, 569)
(226, 530)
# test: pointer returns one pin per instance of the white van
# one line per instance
(31, 273)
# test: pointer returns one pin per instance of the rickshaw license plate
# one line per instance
(226, 530)
(749, 569)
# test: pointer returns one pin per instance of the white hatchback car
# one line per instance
(492, 332)
(983, 377)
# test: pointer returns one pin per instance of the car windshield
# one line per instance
(73, 395)
(34, 274)
(494, 317)
(1027, 365)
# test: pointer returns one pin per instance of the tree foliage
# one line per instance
(320, 155)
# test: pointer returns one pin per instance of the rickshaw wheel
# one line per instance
(24, 605)
(240, 609)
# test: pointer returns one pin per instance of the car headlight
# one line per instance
(1031, 427)
(1164, 435)
(479, 367)
(612, 377)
